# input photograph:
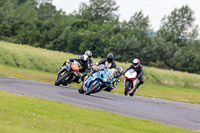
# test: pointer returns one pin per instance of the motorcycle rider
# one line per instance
(138, 68)
(89, 54)
(108, 61)
(84, 69)
(118, 71)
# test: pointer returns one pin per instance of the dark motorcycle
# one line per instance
(68, 74)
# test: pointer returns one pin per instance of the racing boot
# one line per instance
(80, 78)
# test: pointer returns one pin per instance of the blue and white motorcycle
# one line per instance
(97, 81)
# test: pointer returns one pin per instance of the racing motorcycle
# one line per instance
(97, 81)
(130, 81)
(68, 74)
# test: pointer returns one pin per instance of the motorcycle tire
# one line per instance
(92, 89)
(132, 94)
(61, 79)
(80, 90)
(128, 85)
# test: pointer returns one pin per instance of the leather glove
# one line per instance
(70, 60)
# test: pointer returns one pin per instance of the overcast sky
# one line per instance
(155, 9)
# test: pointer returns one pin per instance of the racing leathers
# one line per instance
(114, 84)
(84, 67)
(106, 63)
(90, 65)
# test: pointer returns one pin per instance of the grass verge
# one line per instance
(27, 62)
(20, 113)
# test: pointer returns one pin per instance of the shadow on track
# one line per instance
(100, 97)
(67, 87)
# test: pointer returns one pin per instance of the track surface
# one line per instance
(164, 111)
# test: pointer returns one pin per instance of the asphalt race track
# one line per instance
(164, 111)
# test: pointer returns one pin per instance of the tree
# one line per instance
(179, 26)
(25, 26)
(100, 11)
(46, 11)
(159, 53)
(7, 17)
(51, 25)
(187, 58)
(179, 31)
(138, 29)
(122, 47)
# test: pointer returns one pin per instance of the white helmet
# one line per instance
(136, 62)
(84, 59)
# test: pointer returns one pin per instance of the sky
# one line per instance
(155, 9)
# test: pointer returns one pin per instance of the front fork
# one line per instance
(61, 71)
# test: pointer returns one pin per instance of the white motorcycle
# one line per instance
(130, 82)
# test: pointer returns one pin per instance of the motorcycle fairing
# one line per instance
(103, 77)
(75, 67)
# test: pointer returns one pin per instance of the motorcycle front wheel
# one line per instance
(61, 79)
(92, 89)
(80, 90)
(128, 85)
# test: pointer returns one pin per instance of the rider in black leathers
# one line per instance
(89, 54)
(138, 68)
(118, 72)
(108, 62)
(84, 68)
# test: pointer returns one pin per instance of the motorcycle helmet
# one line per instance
(110, 58)
(88, 53)
(118, 71)
(136, 63)
(84, 59)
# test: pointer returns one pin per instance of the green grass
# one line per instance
(26, 62)
(22, 114)
(28, 57)
(27, 74)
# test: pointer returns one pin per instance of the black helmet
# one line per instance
(110, 58)
(136, 62)
(88, 53)
(84, 59)
(118, 71)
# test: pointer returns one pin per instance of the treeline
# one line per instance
(96, 27)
